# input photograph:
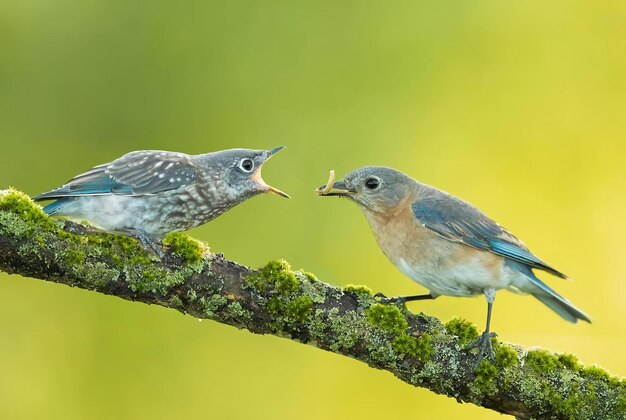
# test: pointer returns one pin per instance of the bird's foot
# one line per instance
(398, 300)
(401, 300)
(151, 244)
(485, 348)
(162, 255)
(156, 249)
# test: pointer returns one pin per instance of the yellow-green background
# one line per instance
(518, 107)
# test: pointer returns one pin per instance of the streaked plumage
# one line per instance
(446, 244)
(150, 193)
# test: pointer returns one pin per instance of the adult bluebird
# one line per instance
(150, 193)
(446, 244)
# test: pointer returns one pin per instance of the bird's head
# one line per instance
(374, 188)
(241, 169)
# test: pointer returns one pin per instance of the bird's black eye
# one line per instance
(246, 165)
(372, 183)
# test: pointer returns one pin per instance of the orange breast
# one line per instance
(443, 266)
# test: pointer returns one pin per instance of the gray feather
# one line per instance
(136, 173)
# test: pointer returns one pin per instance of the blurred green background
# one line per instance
(516, 107)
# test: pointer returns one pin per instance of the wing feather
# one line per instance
(459, 221)
(136, 173)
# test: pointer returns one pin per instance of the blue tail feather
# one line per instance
(556, 302)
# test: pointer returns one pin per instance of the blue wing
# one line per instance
(136, 173)
(459, 221)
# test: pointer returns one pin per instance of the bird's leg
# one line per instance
(403, 299)
(148, 242)
(484, 341)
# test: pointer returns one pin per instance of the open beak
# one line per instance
(277, 191)
(264, 186)
(338, 188)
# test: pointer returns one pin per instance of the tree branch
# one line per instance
(417, 349)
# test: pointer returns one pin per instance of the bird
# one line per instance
(147, 194)
(446, 244)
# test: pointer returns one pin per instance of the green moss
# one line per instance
(357, 289)
(276, 276)
(74, 257)
(596, 373)
(542, 361)
(295, 310)
(299, 309)
(620, 403)
(387, 318)
(289, 296)
(420, 348)
(569, 361)
(274, 305)
(506, 356)
(30, 214)
(120, 249)
(485, 375)
(577, 398)
(141, 273)
(310, 276)
(571, 390)
(183, 246)
(464, 330)
(390, 319)
(570, 406)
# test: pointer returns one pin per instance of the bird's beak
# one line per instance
(276, 191)
(275, 150)
(264, 186)
(338, 188)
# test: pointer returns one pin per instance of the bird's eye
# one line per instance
(246, 165)
(372, 183)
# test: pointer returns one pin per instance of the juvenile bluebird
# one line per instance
(150, 193)
(445, 244)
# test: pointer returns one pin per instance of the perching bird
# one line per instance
(148, 194)
(445, 244)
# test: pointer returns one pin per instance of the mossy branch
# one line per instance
(418, 349)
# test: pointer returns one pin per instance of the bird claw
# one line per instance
(151, 244)
(485, 348)
(161, 254)
(400, 300)
(172, 259)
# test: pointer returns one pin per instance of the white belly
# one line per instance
(109, 212)
(467, 279)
